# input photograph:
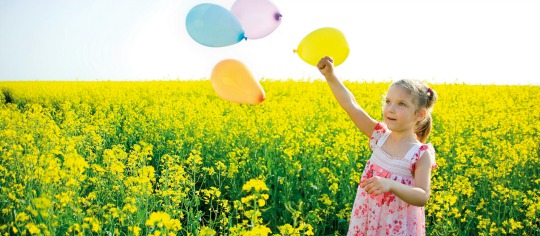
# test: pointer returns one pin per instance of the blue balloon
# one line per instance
(213, 25)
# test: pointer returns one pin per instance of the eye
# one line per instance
(387, 101)
(402, 104)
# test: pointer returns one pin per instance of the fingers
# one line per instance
(331, 60)
(324, 62)
(373, 186)
(374, 191)
(321, 65)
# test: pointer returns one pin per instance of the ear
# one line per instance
(421, 114)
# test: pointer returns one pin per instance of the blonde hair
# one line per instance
(425, 98)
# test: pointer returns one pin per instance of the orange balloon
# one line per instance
(233, 82)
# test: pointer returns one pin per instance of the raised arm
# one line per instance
(345, 98)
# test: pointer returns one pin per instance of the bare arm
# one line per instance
(345, 98)
(417, 195)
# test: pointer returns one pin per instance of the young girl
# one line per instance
(395, 184)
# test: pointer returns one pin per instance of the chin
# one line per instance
(390, 125)
(393, 125)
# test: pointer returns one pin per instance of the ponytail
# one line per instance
(423, 128)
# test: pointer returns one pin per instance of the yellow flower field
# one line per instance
(172, 158)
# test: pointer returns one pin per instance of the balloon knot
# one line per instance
(294, 51)
(277, 16)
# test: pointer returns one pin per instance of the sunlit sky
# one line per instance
(470, 41)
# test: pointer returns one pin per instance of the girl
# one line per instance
(395, 183)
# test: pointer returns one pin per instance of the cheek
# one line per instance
(404, 111)
(411, 114)
(385, 109)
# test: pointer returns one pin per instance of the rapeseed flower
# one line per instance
(88, 157)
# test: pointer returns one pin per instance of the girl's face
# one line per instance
(400, 109)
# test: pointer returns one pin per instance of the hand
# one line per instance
(326, 66)
(377, 185)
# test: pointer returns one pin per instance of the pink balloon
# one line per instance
(259, 18)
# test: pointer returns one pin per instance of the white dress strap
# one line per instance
(414, 149)
(383, 139)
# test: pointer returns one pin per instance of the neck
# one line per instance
(403, 136)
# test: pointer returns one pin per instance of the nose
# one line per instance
(390, 108)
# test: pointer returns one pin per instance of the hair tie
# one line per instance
(429, 91)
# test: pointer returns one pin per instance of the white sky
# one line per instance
(475, 41)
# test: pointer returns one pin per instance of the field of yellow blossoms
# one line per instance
(172, 158)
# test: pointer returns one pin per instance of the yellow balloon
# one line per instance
(323, 42)
(233, 82)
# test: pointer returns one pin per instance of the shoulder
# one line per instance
(379, 131)
(425, 156)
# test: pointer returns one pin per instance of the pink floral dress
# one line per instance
(387, 214)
